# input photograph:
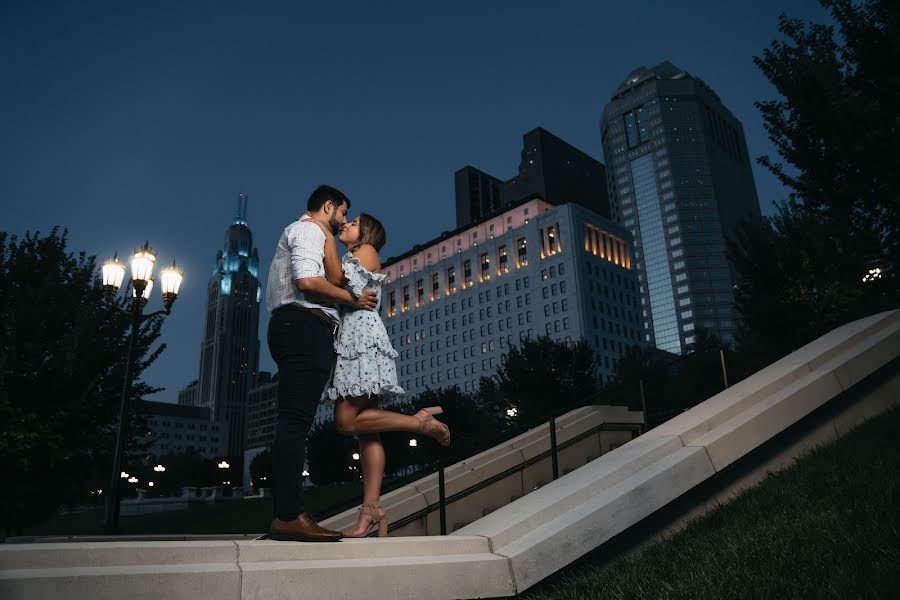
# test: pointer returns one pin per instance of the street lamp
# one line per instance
(223, 465)
(413, 442)
(355, 456)
(113, 271)
(159, 468)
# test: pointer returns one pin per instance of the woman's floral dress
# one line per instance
(365, 358)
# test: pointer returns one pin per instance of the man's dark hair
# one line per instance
(323, 194)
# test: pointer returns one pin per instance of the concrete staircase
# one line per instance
(515, 546)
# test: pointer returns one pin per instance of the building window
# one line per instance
(451, 280)
(405, 306)
(552, 240)
(485, 267)
(420, 292)
(502, 260)
(467, 273)
(521, 253)
(435, 286)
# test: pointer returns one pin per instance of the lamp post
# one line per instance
(142, 263)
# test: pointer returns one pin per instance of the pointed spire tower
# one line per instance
(229, 354)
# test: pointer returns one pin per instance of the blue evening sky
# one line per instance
(129, 121)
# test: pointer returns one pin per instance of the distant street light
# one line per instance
(159, 468)
(413, 443)
(132, 480)
(305, 473)
(150, 484)
(355, 456)
(142, 263)
(512, 412)
(223, 465)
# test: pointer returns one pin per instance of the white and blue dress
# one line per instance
(365, 358)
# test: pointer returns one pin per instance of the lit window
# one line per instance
(502, 260)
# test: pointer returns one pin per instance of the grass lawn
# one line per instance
(827, 527)
(244, 516)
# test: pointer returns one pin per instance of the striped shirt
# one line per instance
(300, 254)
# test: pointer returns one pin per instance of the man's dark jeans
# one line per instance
(302, 346)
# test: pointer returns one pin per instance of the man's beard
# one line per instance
(335, 225)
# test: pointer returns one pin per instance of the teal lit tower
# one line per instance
(229, 355)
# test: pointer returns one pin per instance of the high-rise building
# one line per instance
(455, 305)
(477, 194)
(229, 354)
(550, 169)
(680, 181)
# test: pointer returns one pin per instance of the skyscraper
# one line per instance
(550, 169)
(679, 179)
(477, 194)
(229, 354)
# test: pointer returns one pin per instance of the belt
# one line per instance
(315, 311)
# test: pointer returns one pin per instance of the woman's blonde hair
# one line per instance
(371, 232)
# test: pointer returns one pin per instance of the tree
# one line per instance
(328, 454)
(473, 425)
(543, 377)
(261, 469)
(61, 371)
(793, 286)
(837, 130)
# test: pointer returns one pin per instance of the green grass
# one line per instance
(245, 516)
(827, 527)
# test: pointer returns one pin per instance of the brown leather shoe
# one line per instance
(302, 529)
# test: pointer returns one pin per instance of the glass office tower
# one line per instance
(680, 181)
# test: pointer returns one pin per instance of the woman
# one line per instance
(365, 371)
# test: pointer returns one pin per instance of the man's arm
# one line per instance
(321, 288)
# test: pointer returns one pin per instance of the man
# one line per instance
(304, 320)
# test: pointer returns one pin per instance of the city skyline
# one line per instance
(166, 113)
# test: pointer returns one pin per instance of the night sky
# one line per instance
(132, 121)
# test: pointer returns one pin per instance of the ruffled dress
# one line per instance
(365, 358)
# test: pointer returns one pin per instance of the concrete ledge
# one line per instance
(441, 577)
(150, 582)
(111, 554)
(560, 541)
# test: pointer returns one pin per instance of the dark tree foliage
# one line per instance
(61, 373)
(671, 383)
(183, 469)
(543, 377)
(836, 125)
(472, 423)
(328, 454)
(836, 128)
(261, 470)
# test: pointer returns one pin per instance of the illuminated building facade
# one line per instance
(455, 305)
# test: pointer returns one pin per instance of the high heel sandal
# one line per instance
(379, 521)
(428, 416)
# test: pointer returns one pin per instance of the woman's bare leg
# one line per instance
(371, 462)
(353, 416)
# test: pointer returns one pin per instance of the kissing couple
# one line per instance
(324, 319)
